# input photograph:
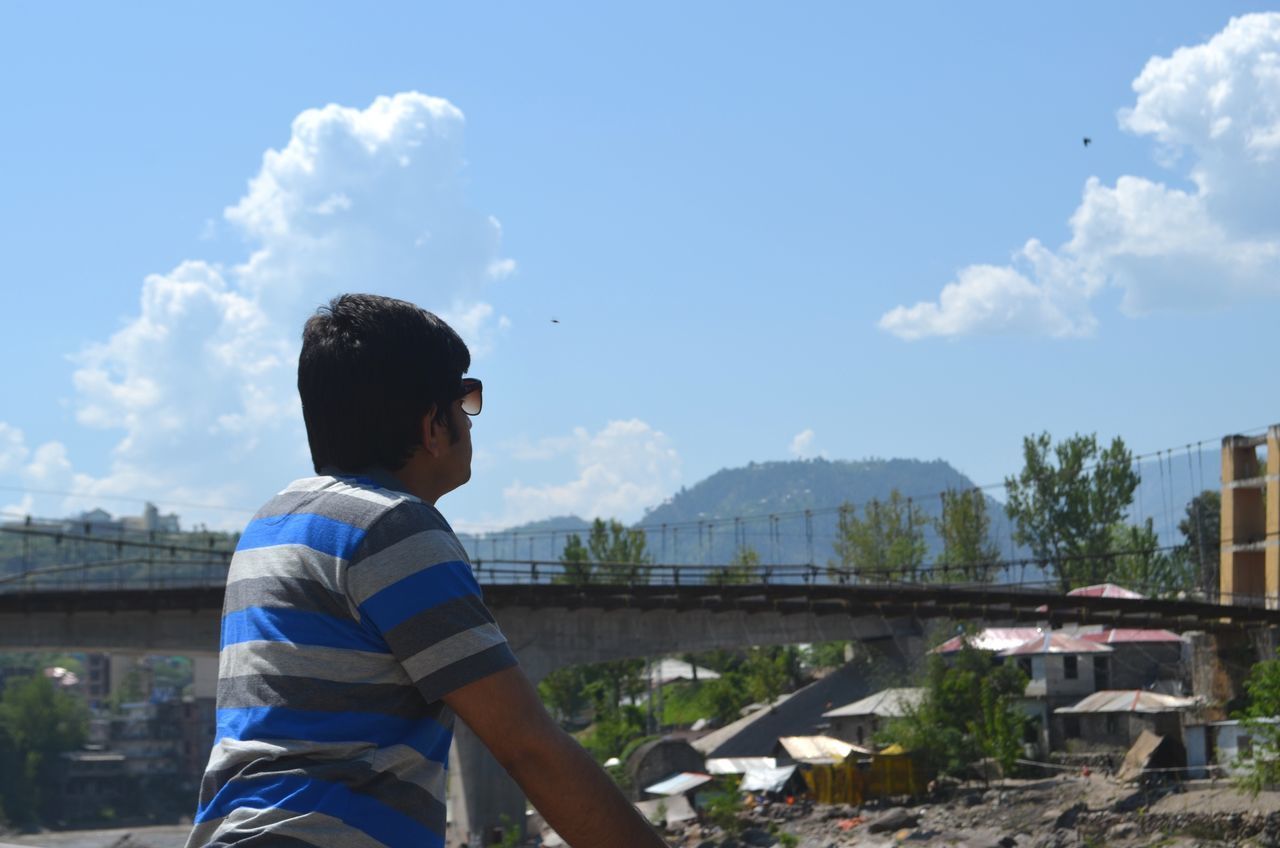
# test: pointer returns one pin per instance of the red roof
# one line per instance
(1126, 634)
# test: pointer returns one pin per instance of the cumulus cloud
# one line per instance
(1213, 110)
(13, 447)
(802, 444)
(199, 383)
(621, 470)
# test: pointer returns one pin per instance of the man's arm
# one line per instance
(566, 786)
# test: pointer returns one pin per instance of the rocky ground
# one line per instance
(1062, 812)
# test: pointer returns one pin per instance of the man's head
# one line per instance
(377, 377)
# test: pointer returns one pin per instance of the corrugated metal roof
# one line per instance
(1122, 635)
(678, 784)
(1104, 590)
(819, 749)
(669, 670)
(990, 639)
(887, 703)
(766, 779)
(1129, 701)
(1056, 643)
(739, 765)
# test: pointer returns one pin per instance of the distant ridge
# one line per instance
(783, 489)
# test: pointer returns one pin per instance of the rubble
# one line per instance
(1063, 812)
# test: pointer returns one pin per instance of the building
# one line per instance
(1143, 659)
(859, 721)
(1112, 720)
(1219, 748)
(797, 714)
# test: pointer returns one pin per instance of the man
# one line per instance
(354, 631)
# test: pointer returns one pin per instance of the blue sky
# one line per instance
(742, 216)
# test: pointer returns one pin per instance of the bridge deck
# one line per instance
(989, 604)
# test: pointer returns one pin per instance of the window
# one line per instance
(1070, 668)
(1244, 747)
(1113, 724)
(1024, 665)
(1101, 673)
(1071, 727)
(860, 734)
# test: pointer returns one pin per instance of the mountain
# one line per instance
(762, 506)
(769, 502)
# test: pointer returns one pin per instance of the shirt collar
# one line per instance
(379, 477)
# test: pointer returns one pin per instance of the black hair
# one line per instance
(371, 367)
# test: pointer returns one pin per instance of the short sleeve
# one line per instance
(412, 583)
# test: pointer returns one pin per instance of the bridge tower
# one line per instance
(1250, 563)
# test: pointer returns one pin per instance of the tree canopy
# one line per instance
(886, 541)
(1066, 502)
(969, 711)
(965, 529)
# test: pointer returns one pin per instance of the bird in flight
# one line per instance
(555, 320)
(1087, 141)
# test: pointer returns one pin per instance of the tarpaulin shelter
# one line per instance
(887, 773)
(768, 780)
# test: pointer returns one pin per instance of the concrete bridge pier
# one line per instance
(481, 793)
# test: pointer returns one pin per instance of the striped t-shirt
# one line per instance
(351, 610)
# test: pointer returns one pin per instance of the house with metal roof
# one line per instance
(1114, 719)
(858, 722)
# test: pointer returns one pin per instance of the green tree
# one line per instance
(969, 711)
(887, 541)
(825, 655)
(564, 691)
(1142, 565)
(1262, 768)
(965, 529)
(37, 723)
(770, 671)
(578, 568)
(1201, 530)
(612, 554)
(743, 568)
(1065, 506)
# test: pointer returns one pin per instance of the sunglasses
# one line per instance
(472, 394)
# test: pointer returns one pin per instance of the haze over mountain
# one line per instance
(762, 505)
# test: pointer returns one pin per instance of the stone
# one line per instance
(891, 820)
(754, 836)
(1123, 830)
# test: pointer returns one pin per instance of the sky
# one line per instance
(677, 237)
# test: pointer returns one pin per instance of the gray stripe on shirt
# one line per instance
(341, 665)
(453, 649)
(370, 575)
(316, 828)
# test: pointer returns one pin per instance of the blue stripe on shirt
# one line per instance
(298, 627)
(304, 795)
(420, 591)
(426, 736)
(318, 532)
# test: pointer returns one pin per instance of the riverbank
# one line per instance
(1065, 812)
(154, 836)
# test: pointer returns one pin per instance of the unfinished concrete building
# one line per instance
(1250, 569)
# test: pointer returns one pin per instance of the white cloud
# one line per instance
(622, 469)
(1216, 105)
(13, 447)
(802, 444)
(200, 383)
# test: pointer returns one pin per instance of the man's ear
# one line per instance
(431, 433)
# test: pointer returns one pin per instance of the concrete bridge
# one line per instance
(614, 614)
